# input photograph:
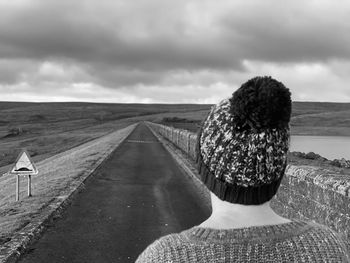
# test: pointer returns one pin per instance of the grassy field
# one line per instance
(308, 118)
(45, 129)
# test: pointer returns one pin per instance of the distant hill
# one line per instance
(308, 118)
(45, 129)
(321, 118)
(49, 128)
(302, 108)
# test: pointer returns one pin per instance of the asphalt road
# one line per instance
(136, 196)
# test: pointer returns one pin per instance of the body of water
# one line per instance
(330, 147)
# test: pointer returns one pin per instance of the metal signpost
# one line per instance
(24, 166)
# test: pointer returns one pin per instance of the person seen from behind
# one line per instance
(242, 156)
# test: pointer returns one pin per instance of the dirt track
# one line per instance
(138, 195)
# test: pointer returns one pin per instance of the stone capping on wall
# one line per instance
(306, 192)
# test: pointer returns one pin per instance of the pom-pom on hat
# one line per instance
(243, 143)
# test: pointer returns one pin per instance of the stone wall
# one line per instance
(306, 192)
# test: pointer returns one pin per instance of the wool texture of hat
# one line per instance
(243, 143)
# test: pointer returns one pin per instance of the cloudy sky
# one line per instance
(183, 51)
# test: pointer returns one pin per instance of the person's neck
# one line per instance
(226, 215)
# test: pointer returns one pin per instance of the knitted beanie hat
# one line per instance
(243, 143)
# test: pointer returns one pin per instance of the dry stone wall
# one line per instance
(306, 192)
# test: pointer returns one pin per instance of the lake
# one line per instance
(330, 147)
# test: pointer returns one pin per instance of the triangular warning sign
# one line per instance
(24, 165)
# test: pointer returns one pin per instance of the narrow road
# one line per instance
(136, 196)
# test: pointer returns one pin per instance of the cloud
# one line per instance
(309, 81)
(118, 33)
(173, 47)
(292, 31)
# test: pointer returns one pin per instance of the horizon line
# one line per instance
(150, 103)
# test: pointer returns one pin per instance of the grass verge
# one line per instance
(59, 176)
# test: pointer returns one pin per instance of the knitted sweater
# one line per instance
(296, 241)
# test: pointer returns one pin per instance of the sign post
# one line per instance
(29, 185)
(24, 166)
(17, 187)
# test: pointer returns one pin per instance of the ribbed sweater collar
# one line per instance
(255, 233)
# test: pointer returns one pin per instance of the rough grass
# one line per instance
(331, 123)
(308, 118)
(56, 174)
(45, 129)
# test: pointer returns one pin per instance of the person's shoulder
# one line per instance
(325, 230)
(322, 230)
(330, 238)
(163, 249)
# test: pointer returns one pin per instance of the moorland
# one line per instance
(45, 129)
(69, 139)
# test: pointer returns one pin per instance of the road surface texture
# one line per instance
(136, 196)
